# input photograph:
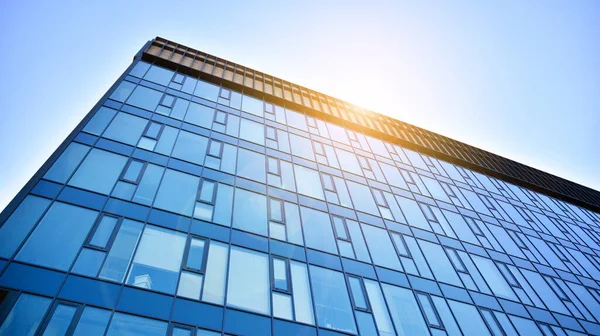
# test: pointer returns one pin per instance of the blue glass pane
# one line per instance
(122, 91)
(20, 223)
(129, 325)
(25, 316)
(126, 128)
(190, 147)
(133, 171)
(148, 185)
(302, 147)
(200, 115)
(366, 325)
(92, 322)
(57, 239)
(468, 318)
(362, 198)
(139, 69)
(252, 131)
(121, 251)
(99, 171)
(207, 90)
(177, 192)
(89, 262)
(332, 304)
(309, 182)
(251, 165)
(145, 98)
(381, 247)
(62, 169)
(60, 320)
(157, 260)
(103, 231)
(100, 120)
(223, 205)
(404, 311)
(250, 212)
(248, 285)
(195, 256)
(318, 232)
(159, 75)
(253, 106)
(439, 263)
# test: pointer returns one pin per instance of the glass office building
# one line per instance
(201, 197)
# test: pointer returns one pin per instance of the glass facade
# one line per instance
(185, 208)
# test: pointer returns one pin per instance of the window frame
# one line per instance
(186, 254)
(409, 255)
(364, 293)
(216, 117)
(288, 276)
(140, 175)
(425, 317)
(88, 241)
(335, 231)
(220, 154)
(52, 309)
(145, 133)
(214, 192)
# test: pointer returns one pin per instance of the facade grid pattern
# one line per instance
(181, 207)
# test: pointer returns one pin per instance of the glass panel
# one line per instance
(280, 274)
(252, 105)
(331, 300)
(58, 237)
(25, 316)
(382, 317)
(362, 198)
(145, 98)
(248, 282)
(223, 206)
(159, 75)
(60, 320)
(439, 263)
(20, 223)
(250, 212)
(275, 210)
(92, 322)
(195, 257)
(251, 165)
(89, 262)
(119, 257)
(177, 192)
(140, 69)
(190, 285)
(148, 185)
(381, 247)
(123, 190)
(124, 324)
(133, 171)
(99, 171)
(317, 230)
(207, 191)
(428, 310)
(207, 90)
(126, 128)
(310, 182)
(252, 131)
(365, 324)
(282, 306)
(157, 260)
(216, 269)
(180, 332)
(277, 231)
(357, 293)
(122, 91)
(64, 166)
(301, 292)
(203, 211)
(493, 277)
(103, 231)
(100, 120)
(190, 147)
(340, 228)
(404, 311)
(301, 147)
(467, 317)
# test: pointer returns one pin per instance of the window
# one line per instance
(93, 322)
(200, 115)
(129, 179)
(429, 311)
(99, 171)
(100, 120)
(20, 223)
(281, 288)
(382, 204)
(103, 232)
(251, 165)
(59, 235)
(145, 98)
(66, 164)
(439, 263)
(381, 247)
(125, 324)
(317, 230)
(121, 251)
(190, 147)
(332, 305)
(362, 198)
(359, 298)
(216, 272)
(468, 318)
(194, 266)
(405, 311)
(276, 219)
(252, 131)
(206, 90)
(157, 260)
(492, 322)
(148, 184)
(60, 318)
(177, 192)
(151, 135)
(250, 212)
(301, 147)
(311, 182)
(164, 107)
(159, 75)
(248, 269)
(123, 91)
(25, 316)
(205, 200)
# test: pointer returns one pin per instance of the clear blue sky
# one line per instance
(517, 78)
